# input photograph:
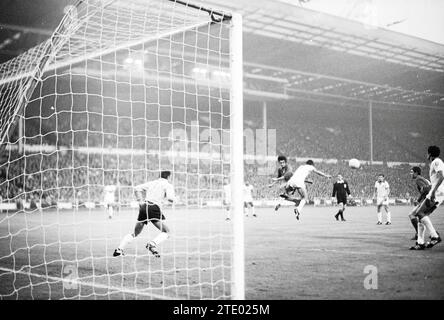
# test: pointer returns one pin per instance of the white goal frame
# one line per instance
(237, 158)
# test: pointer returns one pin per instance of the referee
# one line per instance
(340, 191)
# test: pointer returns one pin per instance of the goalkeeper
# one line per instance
(156, 192)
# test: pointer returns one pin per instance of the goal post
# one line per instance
(121, 91)
(237, 160)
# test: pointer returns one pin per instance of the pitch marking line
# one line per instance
(89, 284)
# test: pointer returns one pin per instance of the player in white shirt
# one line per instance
(248, 199)
(297, 183)
(433, 199)
(150, 210)
(227, 199)
(109, 199)
(382, 191)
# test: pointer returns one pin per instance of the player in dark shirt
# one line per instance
(341, 191)
(423, 185)
(283, 175)
(284, 168)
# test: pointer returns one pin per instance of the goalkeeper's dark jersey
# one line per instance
(423, 185)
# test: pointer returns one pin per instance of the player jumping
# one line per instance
(297, 183)
(433, 199)
(283, 172)
(156, 192)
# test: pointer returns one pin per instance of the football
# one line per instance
(354, 163)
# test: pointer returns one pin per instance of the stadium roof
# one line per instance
(289, 51)
(294, 83)
(327, 57)
(296, 24)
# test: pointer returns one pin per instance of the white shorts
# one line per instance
(382, 202)
(439, 197)
(297, 183)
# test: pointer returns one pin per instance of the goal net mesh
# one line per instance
(121, 91)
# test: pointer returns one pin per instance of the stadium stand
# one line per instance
(304, 130)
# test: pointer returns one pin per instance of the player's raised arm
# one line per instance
(318, 172)
(274, 181)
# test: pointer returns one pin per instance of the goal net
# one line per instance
(121, 91)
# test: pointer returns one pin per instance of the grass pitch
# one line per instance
(67, 254)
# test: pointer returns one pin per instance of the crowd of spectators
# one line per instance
(303, 129)
(73, 176)
(307, 129)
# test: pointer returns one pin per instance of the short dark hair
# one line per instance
(417, 170)
(381, 175)
(434, 151)
(310, 162)
(282, 158)
(165, 174)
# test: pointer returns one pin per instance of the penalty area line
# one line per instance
(88, 284)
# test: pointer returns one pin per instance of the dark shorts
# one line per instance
(290, 190)
(428, 207)
(153, 213)
(342, 200)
